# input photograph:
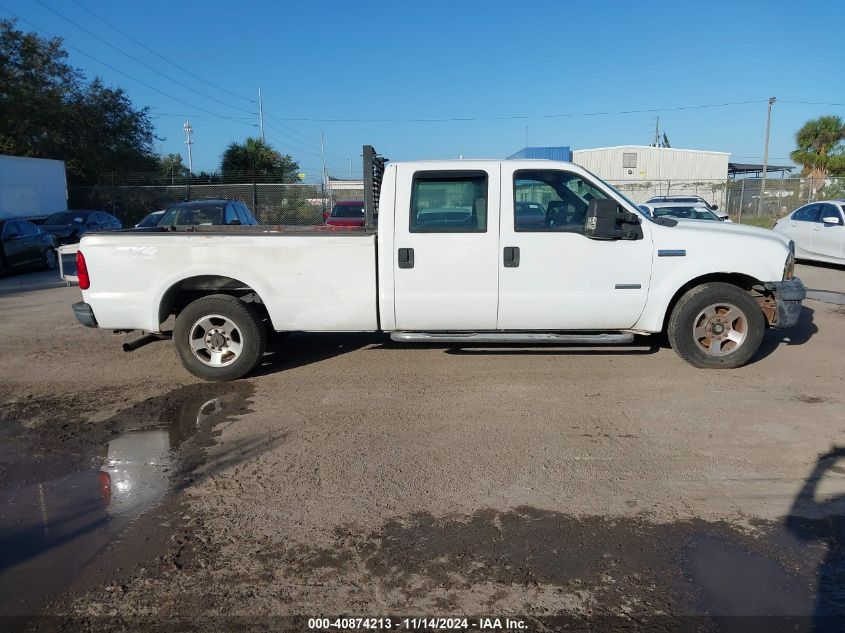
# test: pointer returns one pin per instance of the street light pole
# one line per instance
(261, 114)
(765, 157)
(188, 131)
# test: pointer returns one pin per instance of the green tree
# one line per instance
(49, 110)
(171, 166)
(254, 158)
(819, 148)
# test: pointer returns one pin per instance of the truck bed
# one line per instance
(309, 278)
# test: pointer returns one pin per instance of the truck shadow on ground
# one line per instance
(799, 334)
(299, 349)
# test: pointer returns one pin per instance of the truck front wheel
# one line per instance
(716, 325)
(219, 337)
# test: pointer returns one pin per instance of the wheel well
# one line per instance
(746, 282)
(188, 290)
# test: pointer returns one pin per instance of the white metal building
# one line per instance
(641, 162)
(643, 171)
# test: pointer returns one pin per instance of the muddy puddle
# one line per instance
(64, 501)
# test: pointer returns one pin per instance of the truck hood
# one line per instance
(713, 231)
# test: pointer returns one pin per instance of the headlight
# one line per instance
(789, 267)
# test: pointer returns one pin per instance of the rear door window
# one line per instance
(809, 213)
(449, 202)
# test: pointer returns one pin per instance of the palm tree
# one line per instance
(819, 150)
(254, 158)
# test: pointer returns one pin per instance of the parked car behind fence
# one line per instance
(24, 245)
(70, 226)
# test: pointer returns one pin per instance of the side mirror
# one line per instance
(234, 222)
(831, 220)
(606, 220)
(714, 206)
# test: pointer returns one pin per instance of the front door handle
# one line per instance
(511, 256)
(406, 258)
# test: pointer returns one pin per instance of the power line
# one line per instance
(837, 105)
(290, 129)
(301, 146)
(199, 116)
(125, 74)
(160, 56)
(527, 116)
(140, 61)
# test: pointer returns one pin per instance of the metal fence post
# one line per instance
(741, 200)
(113, 192)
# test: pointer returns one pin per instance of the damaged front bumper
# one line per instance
(787, 296)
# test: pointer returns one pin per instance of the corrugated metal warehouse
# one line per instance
(641, 162)
(642, 171)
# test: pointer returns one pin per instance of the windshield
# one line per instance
(348, 211)
(151, 220)
(193, 215)
(690, 213)
(630, 202)
(67, 217)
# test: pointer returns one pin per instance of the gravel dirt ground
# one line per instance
(352, 475)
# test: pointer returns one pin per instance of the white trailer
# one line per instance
(31, 188)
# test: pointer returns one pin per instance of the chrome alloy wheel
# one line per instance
(215, 340)
(720, 329)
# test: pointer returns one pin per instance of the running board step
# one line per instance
(606, 338)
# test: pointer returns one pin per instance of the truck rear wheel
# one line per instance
(716, 325)
(219, 337)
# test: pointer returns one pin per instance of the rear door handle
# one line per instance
(406, 258)
(511, 256)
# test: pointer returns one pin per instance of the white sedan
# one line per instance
(818, 231)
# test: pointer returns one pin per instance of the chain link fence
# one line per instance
(740, 196)
(131, 199)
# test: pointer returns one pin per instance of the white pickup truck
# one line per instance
(488, 251)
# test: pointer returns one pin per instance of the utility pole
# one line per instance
(765, 157)
(657, 132)
(323, 159)
(350, 168)
(261, 114)
(188, 131)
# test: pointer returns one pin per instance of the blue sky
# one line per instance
(423, 60)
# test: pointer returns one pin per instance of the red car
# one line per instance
(346, 213)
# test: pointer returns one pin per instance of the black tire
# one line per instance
(222, 311)
(51, 263)
(693, 334)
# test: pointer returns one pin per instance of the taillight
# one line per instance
(82, 271)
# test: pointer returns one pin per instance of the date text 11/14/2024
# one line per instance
(416, 623)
